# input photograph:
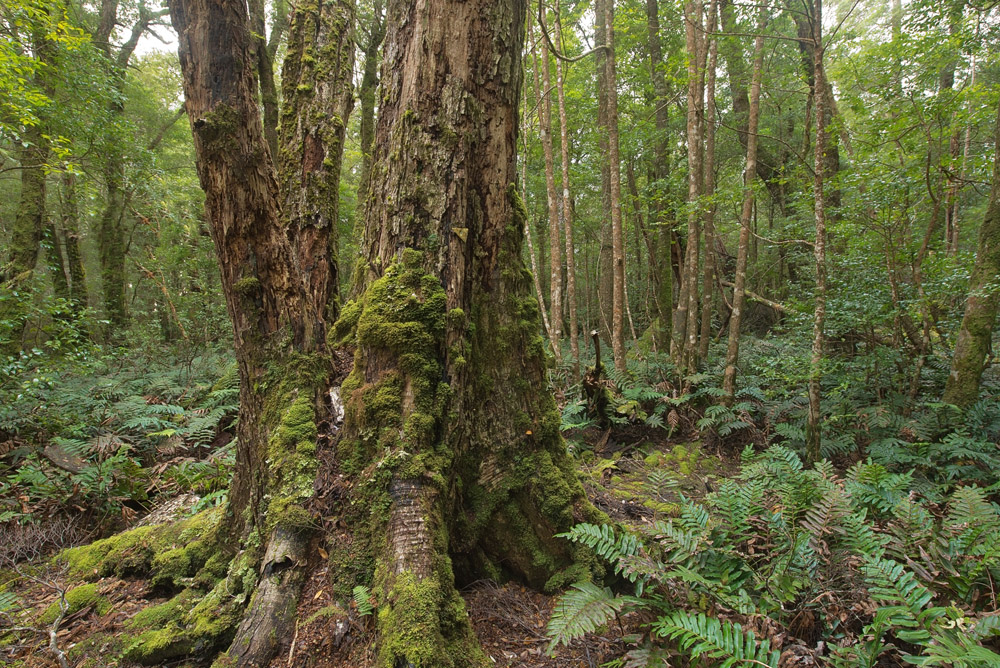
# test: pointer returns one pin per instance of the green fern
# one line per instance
(363, 600)
(704, 636)
(603, 540)
(582, 610)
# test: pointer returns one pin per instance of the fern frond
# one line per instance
(704, 636)
(581, 610)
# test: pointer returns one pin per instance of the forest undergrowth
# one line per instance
(724, 545)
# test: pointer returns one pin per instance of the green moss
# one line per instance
(134, 552)
(246, 286)
(425, 624)
(159, 616)
(187, 623)
(77, 599)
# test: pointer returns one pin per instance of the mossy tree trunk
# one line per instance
(450, 442)
(316, 82)
(972, 345)
(111, 230)
(449, 432)
(69, 215)
(280, 351)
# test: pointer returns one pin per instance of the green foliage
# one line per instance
(110, 425)
(704, 636)
(779, 537)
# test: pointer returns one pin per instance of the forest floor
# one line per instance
(636, 477)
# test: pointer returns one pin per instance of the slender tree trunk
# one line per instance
(769, 167)
(749, 172)
(605, 259)
(686, 327)
(111, 241)
(660, 169)
(814, 417)
(539, 294)
(617, 239)
(567, 212)
(55, 260)
(70, 221)
(544, 105)
(972, 345)
(708, 280)
(318, 102)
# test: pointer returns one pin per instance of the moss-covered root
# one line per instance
(422, 621)
(271, 612)
(169, 553)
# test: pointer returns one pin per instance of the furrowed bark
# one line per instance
(449, 372)
(316, 81)
(278, 349)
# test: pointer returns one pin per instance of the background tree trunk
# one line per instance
(972, 345)
(814, 416)
(567, 210)
(659, 171)
(614, 160)
(750, 171)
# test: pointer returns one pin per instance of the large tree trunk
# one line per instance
(448, 386)
(749, 172)
(450, 444)
(972, 345)
(283, 373)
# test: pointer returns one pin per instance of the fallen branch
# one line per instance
(757, 298)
